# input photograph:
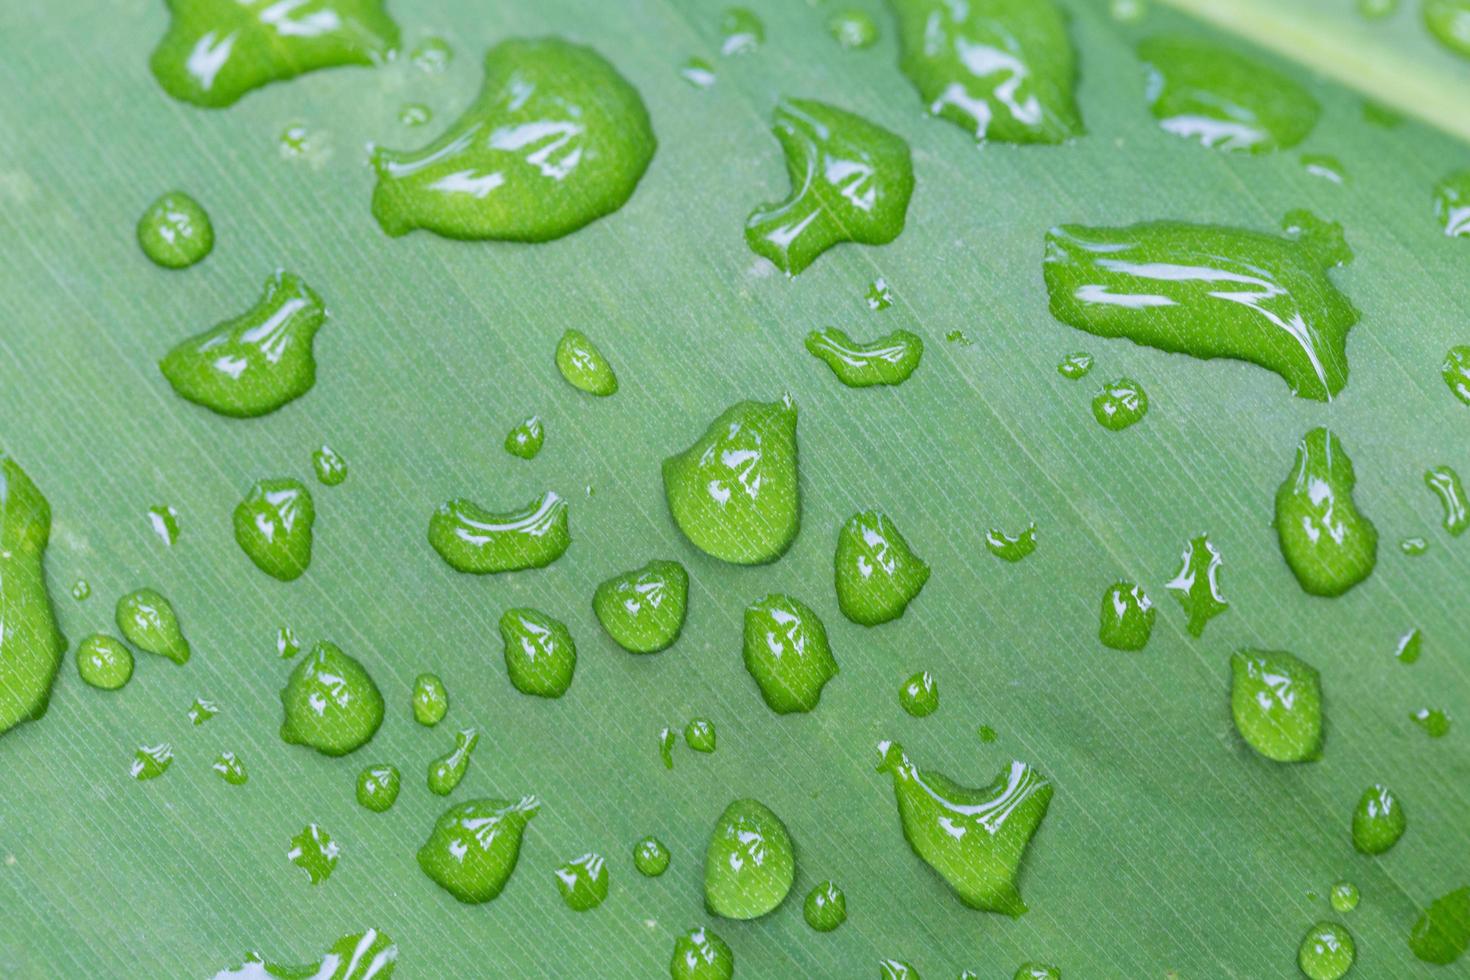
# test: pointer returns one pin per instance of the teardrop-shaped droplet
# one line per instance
(1378, 820)
(643, 610)
(473, 847)
(147, 620)
(330, 702)
(1276, 701)
(331, 468)
(446, 772)
(273, 527)
(750, 862)
(1327, 542)
(526, 438)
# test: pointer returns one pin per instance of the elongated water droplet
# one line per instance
(919, 695)
(1197, 583)
(331, 468)
(151, 761)
(1344, 896)
(1276, 701)
(1327, 952)
(1329, 545)
(1409, 647)
(1127, 617)
(314, 852)
(540, 655)
(1441, 934)
(378, 786)
(666, 741)
(1011, 547)
(854, 28)
(369, 955)
(1328, 168)
(750, 862)
(1120, 404)
(175, 231)
(825, 908)
(1211, 291)
(697, 72)
(81, 590)
(741, 32)
(229, 768)
(850, 182)
(330, 702)
(888, 360)
(473, 847)
(786, 653)
(147, 620)
(31, 646)
(1456, 367)
(273, 527)
(999, 69)
(1075, 365)
(1378, 820)
(651, 857)
(104, 662)
(525, 438)
(474, 540)
(446, 771)
(164, 521)
(252, 364)
(699, 954)
(877, 573)
(1449, 23)
(1434, 722)
(699, 735)
(1445, 483)
(583, 882)
(430, 700)
(202, 710)
(583, 366)
(555, 139)
(432, 55)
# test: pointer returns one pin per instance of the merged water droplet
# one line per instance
(919, 695)
(104, 662)
(473, 847)
(651, 857)
(1000, 69)
(555, 139)
(175, 231)
(1456, 370)
(877, 573)
(699, 735)
(850, 182)
(1445, 483)
(147, 620)
(888, 360)
(229, 768)
(1378, 820)
(734, 493)
(583, 882)
(273, 527)
(331, 468)
(1441, 934)
(369, 955)
(446, 771)
(786, 653)
(741, 32)
(1344, 896)
(330, 702)
(700, 954)
(378, 786)
(583, 366)
(525, 438)
(1276, 701)
(151, 761)
(164, 521)
(1127, 617)
(1327, 952)
(853, 28)
(474, 540)
(1120, 404)
(1434, 722)
(1011, 547)
(540, 655)
(31, 645)
(1210, 291)
(643, 610)
(314, 852)
(1197, 583)
(1075, 365)
(1449, 23)
(750, 862)
(1329, 545)
(202, 710)
(430, 700)
(256, 362)
(974, 839)
(825, 908)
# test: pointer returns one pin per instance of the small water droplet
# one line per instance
(298, 142)
(787, 653)
(987, 734)
(1127, 11)
(526, 438)
(1449, 23)
(164, 521)
(699, 954)
(378, 786)
(432, 55)
(891, 969)
(750, 862)
(1414, 547)
(853, 28)
(919, 695)
(331, 468)
(825, 908)
(1456, 367)
(540, 655)
(476, 541)
(1377, 8)
(583, 366)
(151, 761)
(1445, 483)
(202, 710)
(287, 646)
(697, 72)
(1409, 647)
(415, 114)
(1127, 617)
(1441, 934)
(741, 32)
(104, 662)
(1435, 722)
(651, 857)
(1011, 547)
(699, 735)
(1328, 168)
(1037, 971)
(1075, 365)
(1344, 896)
(958, 337)
(879, 296)
(583, 882)
(446, 771)
(1378, 820)
(175, 231)
(1327, 952)
(368, 955)
(430, 700)
(80, 590)
(1197, 583)
(314, 852)
(1120, 404)
(643, 609)
(877, 574)
(229, 768)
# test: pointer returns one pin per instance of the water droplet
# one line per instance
(734, 493)
(1223, 99)
(750, 862)
(919, 695)
(879, 296)
(151, 761)
(850, 182)
(987, 734)
(526, 438)
(446, 771)
(1378, 820)
(1413, 547)
(415, 114)
(202, 710)
(1011, 547)
(697, 72)
(643, 610)
(432, 55)
(891, 969)
(377, 787)
(583, 366)
(555, 139)
(1127, 617)
(1197, 583)
(1441, 934)
(230, 769)
(1327, 952)
(255, 363)
(430, 700)
(853, 28)
(175, 231)
(287, 646)
(741, 32)
(1037, 971)
(1409, 647)
(583, 882)
(1075, 365)
(104, 662)
(666, 741)
(888, 360)
(31, 646)
(651, 857)
(80, 590)
(215, 51)
(273, 527)
(1344, 896)
(331, 468)
(1328, 168)
(699, 954)
(330, 702)
(1436, 723)
(974, 839)
(1329, 545)
(314, 852)
(1002, 71)
(147, 620)
(540, 655)
(298, 142)
(369, 955)
(1377, 8)
(474, 846)
(474, 540)
(1449, 22)
(1120, 404)
(825, 908)
(958, 337)
(1456, 366)
(699, 735)
(1276, 701)
(1159, 284)
(1445, 483)
(877, 573)
(786, 653)
(164, 521)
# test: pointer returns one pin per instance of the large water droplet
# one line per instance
(750, 862)
(474, 540)
(540, 655)
(643, 610)
(786, 653)
(473, 847)
(175, 231)
(1441, 934)
(1329, 545)
(1276, 701)
(877, 574)
(31, 646)
(330, 702)
(273, 527)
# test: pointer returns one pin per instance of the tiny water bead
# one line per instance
(1378, 820)
(583, 882)
(1414, 547)
(741, 32)
(81, 590)
(300, 142)
(446, 772)
(1328, 168)
(1448, 22)
(415, 114)
(330, 702)
(1075, 365)
(1441, 934)
(473, 847)
(700, 735)
(432, 55)
(314, 852)
(877, 574)
(287, 646)
(1409, 646)
(540, 655)
(1127, 617)
(583, 365)
(479, 542)
(1344, 896)
(888, 360)
(643, 610)
(330, 467)
(853, 28)
(697, 72)
(919, 695)
(974, 839)
(1445, 483)
(850, 182)
(1327, 542)
(1276, 701)
(999, 69)
(1197, 583)
(151, 761)
(1456, 371)
(165, 523)
(256, 362)
(987, 734)
(378, 786)
(958, 337)
(556, 139)
(1011, 547)
(891, 969)
(666, 742)
(651, 857)
(430, 700)
(879, 296)
(202, 710)
(215, 51)
(228, 767)
(1434, 722)
(31, 645)
(147, 620)
(699, 954)
(734, 493)
(525, 438)
(273, 527)
(1120, 404)
(104, 662)
(787, 653)
(750, 862)
(175, 231)
(1327, 952)
(825, 908)
(1452, 201)
(367, 955)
